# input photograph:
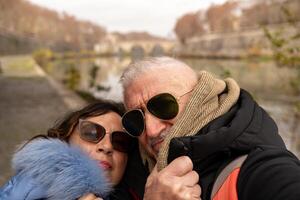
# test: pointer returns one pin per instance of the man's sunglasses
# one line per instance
(93, 132)
(163, 106)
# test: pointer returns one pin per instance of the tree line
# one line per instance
(22, 21)
(236, 16)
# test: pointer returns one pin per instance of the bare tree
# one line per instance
(189, 25)
(221, 18)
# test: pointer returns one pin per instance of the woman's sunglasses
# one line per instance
(93, 132)
(164, 106)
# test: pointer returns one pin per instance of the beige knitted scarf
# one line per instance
(210, 99)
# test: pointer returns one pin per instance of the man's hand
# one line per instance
(175, 182)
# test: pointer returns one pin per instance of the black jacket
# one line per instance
(269, 173)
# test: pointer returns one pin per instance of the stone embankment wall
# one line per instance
(239, 44)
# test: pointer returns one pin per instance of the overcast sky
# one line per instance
(154, 16)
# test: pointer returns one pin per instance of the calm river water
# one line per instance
(269, 84)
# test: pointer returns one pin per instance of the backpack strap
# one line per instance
(225, 173)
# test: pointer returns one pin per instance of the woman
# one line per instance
(47, 168)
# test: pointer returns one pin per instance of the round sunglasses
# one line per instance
(93, 132)
(163, 106)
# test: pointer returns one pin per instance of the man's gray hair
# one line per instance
(147, 65)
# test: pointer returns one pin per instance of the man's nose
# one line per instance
(153, 125)
(105, 145)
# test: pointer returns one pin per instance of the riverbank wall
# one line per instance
(239, 44)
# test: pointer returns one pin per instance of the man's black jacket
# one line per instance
(269, 173)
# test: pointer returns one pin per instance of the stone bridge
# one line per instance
(112, 45)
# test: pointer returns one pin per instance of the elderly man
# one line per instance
(196, 130)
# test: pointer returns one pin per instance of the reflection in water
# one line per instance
(115, 89)
(72, 79)
(93, 75)
(99, 76)
(263, 79)
(268, 84)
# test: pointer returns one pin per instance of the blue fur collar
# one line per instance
(66, 171)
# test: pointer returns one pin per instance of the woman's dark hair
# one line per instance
(64, 127)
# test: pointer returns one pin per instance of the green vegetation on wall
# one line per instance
(286, 47)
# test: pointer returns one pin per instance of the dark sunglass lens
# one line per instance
(163, 106)
(91, 132)
(133, 122)
(121, 141)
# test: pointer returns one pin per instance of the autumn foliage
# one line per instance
(188, 25)
(235, 16)
(20, 20)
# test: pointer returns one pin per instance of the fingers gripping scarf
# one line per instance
(210, 99)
